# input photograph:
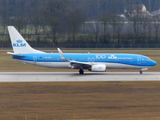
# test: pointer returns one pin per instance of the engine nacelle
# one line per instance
(71, 66)
(98, 68)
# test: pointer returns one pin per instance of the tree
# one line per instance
(94, 28)
(156, 25)
(53, 12)
(117, 25)
(4, 13)
(75, 20)
(106, 20)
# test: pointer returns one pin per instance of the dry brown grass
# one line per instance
(81, 101)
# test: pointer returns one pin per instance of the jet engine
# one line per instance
(98, 68)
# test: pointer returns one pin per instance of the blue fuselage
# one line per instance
(110, 60)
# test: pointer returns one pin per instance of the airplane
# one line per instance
(95, 62)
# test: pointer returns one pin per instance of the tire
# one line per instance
(81, 71)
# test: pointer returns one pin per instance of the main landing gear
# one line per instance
(141, 72)
(81, 71)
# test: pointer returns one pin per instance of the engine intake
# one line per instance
(98, 68)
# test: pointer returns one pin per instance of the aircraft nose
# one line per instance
(154, 63)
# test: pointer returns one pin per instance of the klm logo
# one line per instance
(112, 57)
(19, 44)
(100, 68)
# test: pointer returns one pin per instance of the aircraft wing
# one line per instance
(75, 64)
(84, 65)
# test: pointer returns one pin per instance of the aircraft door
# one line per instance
(34, 60)
(139, 60)
(91, 59)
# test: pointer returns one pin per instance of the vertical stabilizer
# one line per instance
(19, 44)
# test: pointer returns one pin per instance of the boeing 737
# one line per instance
(95, 62)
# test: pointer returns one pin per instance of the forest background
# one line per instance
(80, 23)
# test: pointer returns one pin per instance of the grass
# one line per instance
(80, 101)
(7, 64)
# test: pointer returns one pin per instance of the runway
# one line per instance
(75, 77)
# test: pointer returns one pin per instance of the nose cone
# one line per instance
(153, 63)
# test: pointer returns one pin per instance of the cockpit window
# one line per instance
(147, 59)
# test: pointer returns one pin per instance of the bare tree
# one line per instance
(106, 20)
(94, 28)
(136, 28)
(75, 20)
(156, 25)
(4, 13)
(53, 12)
(117, 25)
(145, 24)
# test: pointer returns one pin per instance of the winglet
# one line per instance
(61, 55)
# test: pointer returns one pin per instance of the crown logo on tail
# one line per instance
(19, 41)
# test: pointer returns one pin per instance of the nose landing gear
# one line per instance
(141, 72)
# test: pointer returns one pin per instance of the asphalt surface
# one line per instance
(76, 77)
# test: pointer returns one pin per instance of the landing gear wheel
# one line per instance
(81, 71)
(141, 72)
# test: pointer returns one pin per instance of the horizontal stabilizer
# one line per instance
(10, 53)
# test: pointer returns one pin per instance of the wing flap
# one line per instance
(83, 65)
